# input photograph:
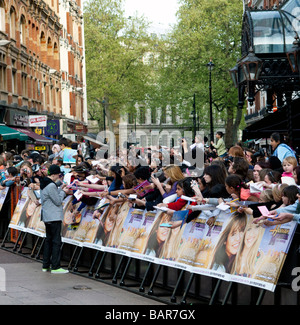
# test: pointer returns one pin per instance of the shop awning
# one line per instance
(39, 139)
(11, 134)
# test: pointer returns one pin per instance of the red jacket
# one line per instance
(179, 204)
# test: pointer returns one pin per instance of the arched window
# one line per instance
(12, 22)
(49, 47)
(22, 30)
(55, 51)
(43, 41)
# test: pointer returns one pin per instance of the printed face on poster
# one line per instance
(233, 249)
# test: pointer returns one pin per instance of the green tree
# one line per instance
(116, 47)
(206, 29)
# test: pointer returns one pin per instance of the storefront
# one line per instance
(11, 139)
(30, 125)
(35, 141)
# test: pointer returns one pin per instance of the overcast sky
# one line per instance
(160, 12)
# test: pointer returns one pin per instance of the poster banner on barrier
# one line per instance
(218, 244)
(262, 254)
(3, 194)
(232, 249)
(34, 224)
(19, 216)
(27, 214)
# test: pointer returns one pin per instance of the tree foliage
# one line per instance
(125, 66)
(206, 29)
(116, 46)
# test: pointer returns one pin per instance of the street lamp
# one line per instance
(251, 67)
(276, 71)
(210, 67)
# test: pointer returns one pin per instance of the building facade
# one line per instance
(42, 65)
(270, 27)
(164, 126)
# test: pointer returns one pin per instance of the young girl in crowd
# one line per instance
(288, 165)
(258, 166)
(289, 195)
(172, 174)
(214, 177)
(183, 188)
(112, 188)
(235, 188)
(283, 197)
(270, 178)
(129, 182)
(277, 191)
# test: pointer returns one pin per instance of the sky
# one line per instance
(161, 13)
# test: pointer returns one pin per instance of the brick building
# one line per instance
(42, 69)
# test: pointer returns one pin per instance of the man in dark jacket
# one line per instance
(52, 215)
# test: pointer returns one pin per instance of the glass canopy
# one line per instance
(274, 30)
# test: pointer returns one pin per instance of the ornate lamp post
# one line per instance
(269, 63)
(210, 67)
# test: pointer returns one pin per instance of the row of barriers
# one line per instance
(160, 282)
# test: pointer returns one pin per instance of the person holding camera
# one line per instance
(25, 173)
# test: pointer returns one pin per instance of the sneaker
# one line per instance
(59, 271)
(45, 269)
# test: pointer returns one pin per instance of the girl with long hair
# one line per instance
(248, 253)
(227, 246)
(172, 174)
(214, 177)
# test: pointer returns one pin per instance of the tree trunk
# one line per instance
(232, 126)
(237, 122)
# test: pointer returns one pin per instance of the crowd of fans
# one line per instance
(169, 177)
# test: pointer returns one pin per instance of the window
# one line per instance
(24, 81)
(12, 21)
(130, 118)
(163, 117)
(142, 119)
(173, 111)
(2, 16)
(50, 97)
(3, 77)
(13, 77)
(153, 116)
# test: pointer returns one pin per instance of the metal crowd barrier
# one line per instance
(168, 285)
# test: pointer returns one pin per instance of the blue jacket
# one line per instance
(292, 208)
(283, 151)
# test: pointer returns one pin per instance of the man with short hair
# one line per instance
(52, 215)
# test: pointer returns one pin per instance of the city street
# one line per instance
(26, 284)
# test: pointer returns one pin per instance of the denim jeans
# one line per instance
(52, 245)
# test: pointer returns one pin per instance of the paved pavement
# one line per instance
(22, 282)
